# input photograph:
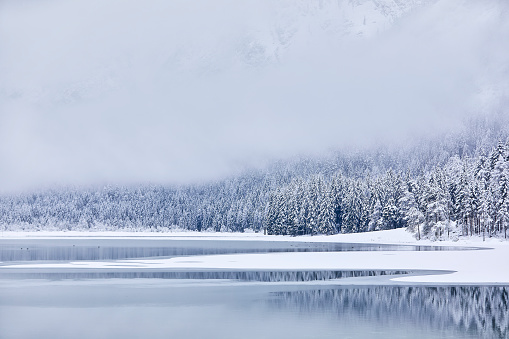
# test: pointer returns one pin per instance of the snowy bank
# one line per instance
(397, 236)
(485, 266)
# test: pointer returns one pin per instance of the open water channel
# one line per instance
(130, 302)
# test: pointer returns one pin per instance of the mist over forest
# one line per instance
(440, 190)
(293, 117)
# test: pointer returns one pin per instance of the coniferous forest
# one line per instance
(455, 186)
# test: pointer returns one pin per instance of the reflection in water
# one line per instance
(112, 249)
(171, 311)
(480, 311)
(161, 309)
(263, 275)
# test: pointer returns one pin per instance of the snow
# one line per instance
(474, 266)
(398, 236)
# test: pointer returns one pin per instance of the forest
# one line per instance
(456, 186)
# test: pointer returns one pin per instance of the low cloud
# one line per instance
(176, 92)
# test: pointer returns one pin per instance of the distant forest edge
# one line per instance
(440, 190)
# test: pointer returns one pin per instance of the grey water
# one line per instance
(209, 274)
(133, 303)
(148, 308)
(437, 311)
(112, 249)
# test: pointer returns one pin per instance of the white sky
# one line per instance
(128, 91)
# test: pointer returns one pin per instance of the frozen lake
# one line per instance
(134, 302)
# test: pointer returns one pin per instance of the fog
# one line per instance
(183, 91)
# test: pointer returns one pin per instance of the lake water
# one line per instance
(228, 304)
(111, 249)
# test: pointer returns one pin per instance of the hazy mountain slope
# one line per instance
(179, 91)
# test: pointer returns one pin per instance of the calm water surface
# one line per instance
(163, 309)
(228, 304)
(111, 249)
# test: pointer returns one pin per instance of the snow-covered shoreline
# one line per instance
(397, 236)
(484, 266)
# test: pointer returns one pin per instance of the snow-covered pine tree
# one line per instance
(326, 216)
(375, 218)
(337, 192)
(413, 217)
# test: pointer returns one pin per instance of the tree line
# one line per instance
(466, 196)
(455, 188)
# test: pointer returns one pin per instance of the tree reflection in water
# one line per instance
(482, 311)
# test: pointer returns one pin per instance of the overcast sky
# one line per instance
(95, 91)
